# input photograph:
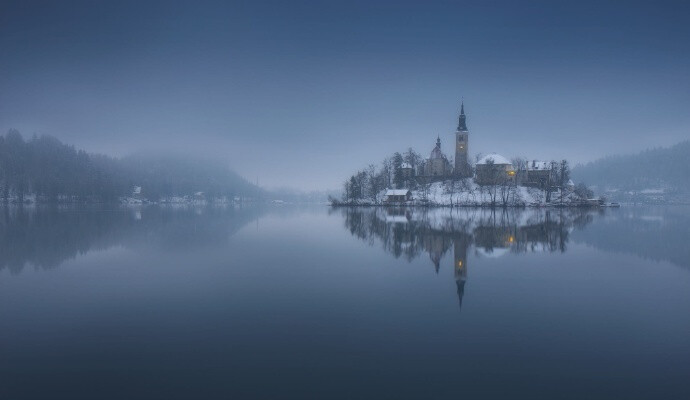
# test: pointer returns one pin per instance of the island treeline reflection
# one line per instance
(46, 237)
(411, 232)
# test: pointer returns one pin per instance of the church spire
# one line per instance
(462, 124)
(438, 141)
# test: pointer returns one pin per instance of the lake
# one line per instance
(313, 302)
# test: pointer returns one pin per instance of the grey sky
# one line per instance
(303, 93)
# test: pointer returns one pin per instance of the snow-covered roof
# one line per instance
(497, 159)
(397, 192)
(535, 165)
(405, 165)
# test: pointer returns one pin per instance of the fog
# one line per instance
(300, 94)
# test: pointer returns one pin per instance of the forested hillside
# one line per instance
(665, 168)
(166, 175)
(53, 171)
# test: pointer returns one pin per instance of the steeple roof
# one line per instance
(436, 152)
(462, 123)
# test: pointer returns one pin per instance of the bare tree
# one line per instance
(492, 179)
(386, 168)
(551, 181)
(372, 183)
(451, 187)
(346, 191)
(520, 165)
(507, 190)
(426, 188)
(398, 178)
(465, 186)
(563, 177)
(583, 191)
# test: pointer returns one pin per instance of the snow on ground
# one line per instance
(472, 194)
(468, 194)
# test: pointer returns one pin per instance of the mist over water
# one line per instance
(344, 200)
(180, 302)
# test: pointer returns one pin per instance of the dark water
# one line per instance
(289, 302)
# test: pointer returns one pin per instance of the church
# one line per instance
(490, 170)
(437, 166)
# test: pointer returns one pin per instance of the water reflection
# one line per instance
(199, 295)
(45, 237)
(409, 233)
(653, 233)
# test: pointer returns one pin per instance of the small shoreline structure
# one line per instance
(490, 181)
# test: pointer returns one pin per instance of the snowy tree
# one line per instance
(425, 186)
(413, 158)
(347, 197)
(507, 190)
(398, 178)
(451, 187)
(492, 180)
(552, 180)
(583, 191)
(372, 183)
(520, 166)
(386, 171)
(563, 177)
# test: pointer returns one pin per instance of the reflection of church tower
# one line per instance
(461, 244)
(462, 165)
(436, 259)
(436, 245)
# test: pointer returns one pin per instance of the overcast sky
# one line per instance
(303, 93)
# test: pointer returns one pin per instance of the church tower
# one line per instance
(462, 165)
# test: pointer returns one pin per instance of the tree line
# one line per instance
(655, 168)
(368, 183)
(54, 172)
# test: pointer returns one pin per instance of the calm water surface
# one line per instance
(310, 302)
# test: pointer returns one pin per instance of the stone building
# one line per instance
(494, 169)
(539, 174)
(437, 165)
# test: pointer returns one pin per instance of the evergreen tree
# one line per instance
(398, 179)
